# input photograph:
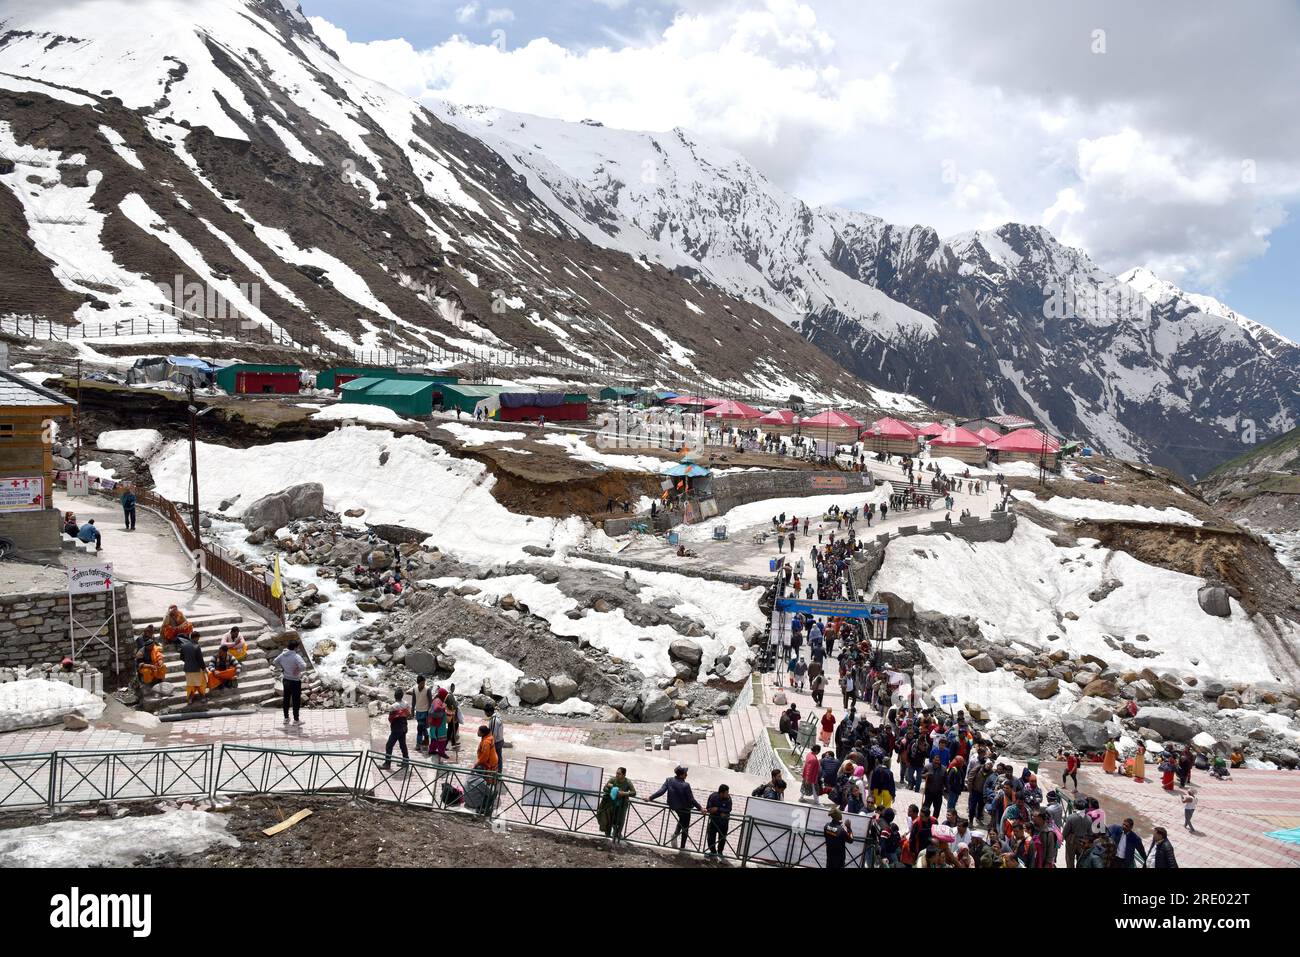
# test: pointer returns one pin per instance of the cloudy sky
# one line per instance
(1164, 134)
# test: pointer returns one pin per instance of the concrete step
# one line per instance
(199, 621)
(247, 690)
(247, 626)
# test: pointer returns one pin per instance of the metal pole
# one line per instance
(194, 484)
(76, 419)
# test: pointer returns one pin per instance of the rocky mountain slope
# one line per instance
(234, 146)
(229, 147)
(1005, 320)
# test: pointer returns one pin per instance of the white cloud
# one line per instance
(943, 113)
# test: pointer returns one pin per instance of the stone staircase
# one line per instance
(256, 684)
(727, 744)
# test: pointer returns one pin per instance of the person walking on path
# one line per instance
(681, 801)
(398, 716)
(828, 727)
(1163, 850)
(1189, 808)
(497, 728)
(292, 666)
(421, 704)
(718, 811)
(611, 812)
(128, 510)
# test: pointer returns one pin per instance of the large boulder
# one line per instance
(1172, 725)
(1084, 733)
(684, 649)
(269, 511)
(1100, 688)
(655, 705)
(1214, 600)
(280, 508)
(306, 500)
(1043, 688)
(562, 687)
(898, 607)
(532, 690)
(983, 664)
(1094, 709)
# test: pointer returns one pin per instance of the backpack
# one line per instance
(784, 726)
(452, 795)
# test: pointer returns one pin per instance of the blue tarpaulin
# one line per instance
(1289, 837)
(524, 400)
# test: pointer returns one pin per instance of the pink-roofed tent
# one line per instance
(777, 417)
(732, 410)
(960, 444)
(891, 429)
(1025, 440)
(832, 418)
(959, 437)
(687, 400)
(989, 435)
(892, 436)
(929, 429)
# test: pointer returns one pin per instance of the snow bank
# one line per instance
(474, 666)
(761, 513)
(1097, 509)
(113, 843)
(468, 435)
(356, 412)
(578, 448)
(30, 703)
(1016, 591)
(141, 443)
(398, 480)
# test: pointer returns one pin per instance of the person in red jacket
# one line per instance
(811, 773)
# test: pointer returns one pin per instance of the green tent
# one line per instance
(405, 397)
(328, 378)
(467, 397)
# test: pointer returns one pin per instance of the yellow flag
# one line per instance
(277, 589)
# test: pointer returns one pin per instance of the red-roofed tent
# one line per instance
(929, 429)
(733, 411)
(1025, 445)
(892, 436)
(779, 422)
(832, 425)
(960, 444)
(988, 435)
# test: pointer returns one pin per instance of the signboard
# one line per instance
(834, 609)
(786, 833)
(554, 783)
(830, 481)
(947, 699)
(23, 493)
(78, 483)
(90, 579)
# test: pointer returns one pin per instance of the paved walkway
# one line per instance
(1231, 817)
(739, 555)
(150, 560)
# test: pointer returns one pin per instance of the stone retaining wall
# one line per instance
(34, 628)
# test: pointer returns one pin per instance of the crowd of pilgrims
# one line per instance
(975, 810)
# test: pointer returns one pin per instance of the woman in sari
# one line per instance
(438, 724)
(828, 727)
(1112, 754)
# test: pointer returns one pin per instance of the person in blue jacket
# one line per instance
(89, 533)
(128, 510)
(681, 800)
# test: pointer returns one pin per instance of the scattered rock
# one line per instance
(1043, 688)
(1171, 724)
(985, 664)
(532, 690)
(1213, 600)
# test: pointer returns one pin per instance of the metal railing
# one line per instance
(59, 778)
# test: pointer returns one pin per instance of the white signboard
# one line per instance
(78, 483)
(23, 493)
(90, 579)
(552, 783)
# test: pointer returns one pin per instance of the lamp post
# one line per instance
(194, 414)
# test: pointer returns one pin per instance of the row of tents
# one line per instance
(1003, 438)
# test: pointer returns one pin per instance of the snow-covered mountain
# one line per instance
(220, 141)
(1005, 320)
(223, 139)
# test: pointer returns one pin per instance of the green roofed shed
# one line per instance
(405, 397)
(467, 397)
